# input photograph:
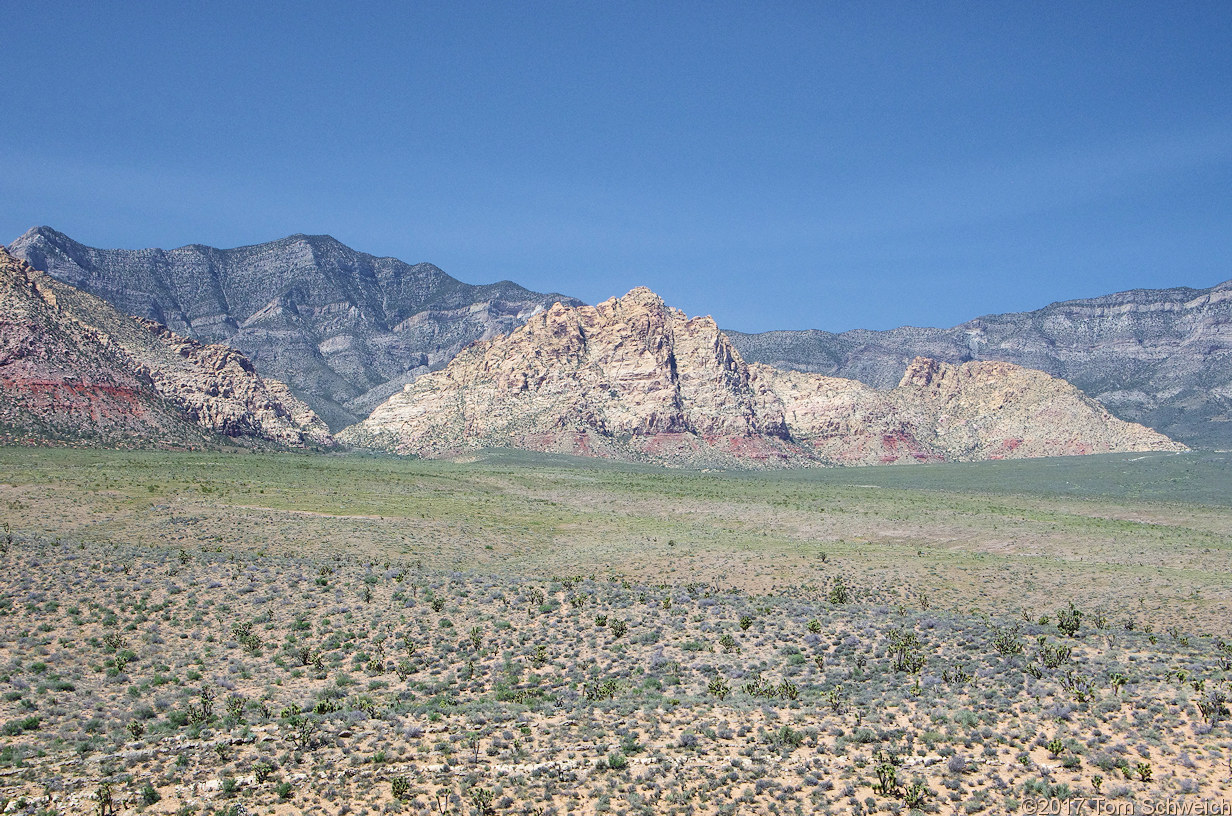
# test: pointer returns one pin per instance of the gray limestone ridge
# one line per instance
(342, 328)
(1160, 357)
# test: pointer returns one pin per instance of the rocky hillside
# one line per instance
(632, 378)
(629, 378)
(74, 369)
(344, 329)
(1159, 357)
(943, 412)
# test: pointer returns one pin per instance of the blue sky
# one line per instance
(777, 165)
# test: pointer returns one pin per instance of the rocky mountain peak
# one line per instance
(629, 377)
(920, 372)
(639, 297)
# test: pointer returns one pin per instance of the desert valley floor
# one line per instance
(220, 632)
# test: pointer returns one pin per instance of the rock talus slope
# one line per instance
(73, 369)
(342, 328)
(632, 378)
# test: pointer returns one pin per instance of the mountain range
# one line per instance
(342, 328)
(75, 370)
(632, 378)
(346, 329)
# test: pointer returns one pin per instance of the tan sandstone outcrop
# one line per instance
(943, 412)
(633, 378)
(219, 389)
(630, 378)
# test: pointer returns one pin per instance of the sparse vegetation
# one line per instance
(189, 673)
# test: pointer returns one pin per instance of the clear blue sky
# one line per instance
(777, 165)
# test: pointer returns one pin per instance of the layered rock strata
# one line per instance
(73, 369)
(1162, 357)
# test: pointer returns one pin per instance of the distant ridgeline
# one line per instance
(634, 379)
(347, 330)
(1162, 357)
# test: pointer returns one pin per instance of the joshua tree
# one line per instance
(905, 648)
(1068, 620)
(482, 799)
(106, 800)
(887, 775)
(1214, 706)
(1006, 641)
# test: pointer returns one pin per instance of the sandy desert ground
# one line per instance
(277, 633)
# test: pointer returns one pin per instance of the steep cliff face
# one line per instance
(342, 328)
(943, 412)
(632, 378)
(73, 369)
(1159, 357)
(629, 378)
